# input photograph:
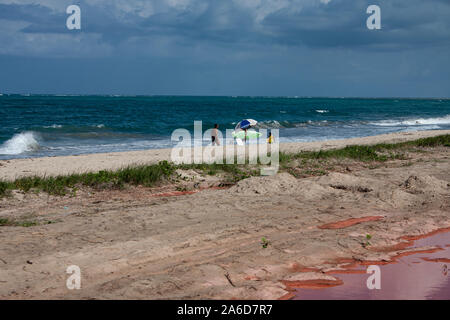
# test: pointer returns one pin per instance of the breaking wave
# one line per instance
(20, 143)
(59, 126)
(274, 124)
(413, 122)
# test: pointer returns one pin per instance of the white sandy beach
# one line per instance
(51, 166)
(201, 243)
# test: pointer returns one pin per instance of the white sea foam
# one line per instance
(422, 128)
(413, 122)
(322, 111)
(270, 124)
(20, 143)
(59, 126)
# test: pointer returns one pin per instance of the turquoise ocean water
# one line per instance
(49, 125)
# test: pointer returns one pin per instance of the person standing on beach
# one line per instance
(270, 138)
(215, 135)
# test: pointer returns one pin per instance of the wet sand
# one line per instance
(421, 273)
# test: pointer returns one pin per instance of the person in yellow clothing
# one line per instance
(270, 138)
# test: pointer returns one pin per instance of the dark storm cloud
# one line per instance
(310, 22)
(32, 13)
(279, 47)
(337, 23)
(39, 19)
(341, 23)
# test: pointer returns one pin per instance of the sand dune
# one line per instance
(141, 243)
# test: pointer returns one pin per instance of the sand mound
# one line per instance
(282, 183)
(188, 175)
(415, 190)
(418, 184)
(311, 190)
(277, 184)
(347, 182)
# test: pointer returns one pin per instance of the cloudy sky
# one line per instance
(226, 47)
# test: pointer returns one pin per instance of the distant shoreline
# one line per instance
(53, 166)
(118, 95)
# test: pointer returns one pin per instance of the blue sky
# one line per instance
(226, 47)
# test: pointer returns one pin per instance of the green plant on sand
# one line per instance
(264, 242)
(367, 241)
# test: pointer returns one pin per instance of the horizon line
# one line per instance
(218, 96)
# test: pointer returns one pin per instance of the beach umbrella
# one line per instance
(245, 124)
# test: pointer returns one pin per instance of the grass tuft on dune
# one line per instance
(150, 175)
(145, 175)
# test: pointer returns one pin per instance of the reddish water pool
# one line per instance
(422, 275)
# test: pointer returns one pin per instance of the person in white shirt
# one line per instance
(215, 135)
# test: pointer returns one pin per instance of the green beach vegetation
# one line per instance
(5, 222)
(311, 163)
